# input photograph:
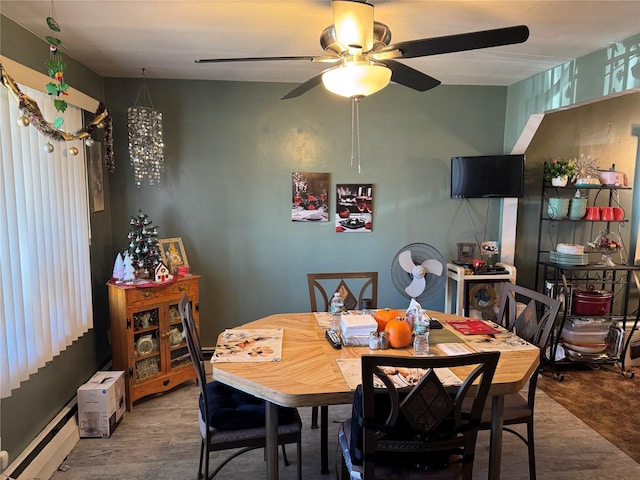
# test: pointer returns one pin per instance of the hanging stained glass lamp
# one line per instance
(146, 144)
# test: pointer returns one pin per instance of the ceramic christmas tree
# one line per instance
(118, 269)
(128, 274)
(143, 244)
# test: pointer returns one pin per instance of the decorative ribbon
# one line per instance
(30, 109)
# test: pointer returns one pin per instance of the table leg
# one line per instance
(495, 444)
(271, 425)
(324, 439)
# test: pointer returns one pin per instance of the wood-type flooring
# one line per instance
(159, 440)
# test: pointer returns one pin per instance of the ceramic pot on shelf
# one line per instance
(559, 181)
(558, 208)
(577, 208)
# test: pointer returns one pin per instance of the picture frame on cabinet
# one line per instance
(173, 254)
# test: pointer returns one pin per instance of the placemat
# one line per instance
(250, 345)
(323, 319)
(442, 335)
(472, 327)
(403, 377)
(503, 342)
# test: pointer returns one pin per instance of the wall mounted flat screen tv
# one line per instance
(486, 176)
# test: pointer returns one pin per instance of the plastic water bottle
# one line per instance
(421, 333)
(336, 312)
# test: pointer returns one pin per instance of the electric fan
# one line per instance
(417, 271)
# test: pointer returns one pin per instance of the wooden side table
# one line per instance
(461, 283)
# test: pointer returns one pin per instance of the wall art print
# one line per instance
(354, 208)
(309, 197)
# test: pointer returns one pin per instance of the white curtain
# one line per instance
(45, 280)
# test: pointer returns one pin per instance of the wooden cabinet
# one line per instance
(146, 336)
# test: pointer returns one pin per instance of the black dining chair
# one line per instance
(353, 287)
(229, 418)
(425, 429)
(531, 316)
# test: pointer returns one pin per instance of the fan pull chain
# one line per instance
(355, 131)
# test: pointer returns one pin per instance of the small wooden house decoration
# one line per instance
(161, 273)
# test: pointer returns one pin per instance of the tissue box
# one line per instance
(101, 404)
(357, 325)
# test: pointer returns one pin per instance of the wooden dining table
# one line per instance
(308, 374)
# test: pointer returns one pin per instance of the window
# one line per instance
(45, 280)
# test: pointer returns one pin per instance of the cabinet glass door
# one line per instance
(178, 352)
(146, 344)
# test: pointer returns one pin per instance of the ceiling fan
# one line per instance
(365, 61)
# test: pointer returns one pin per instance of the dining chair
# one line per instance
(530, 315)
(408, 423)
(229, 418)
(322, 286)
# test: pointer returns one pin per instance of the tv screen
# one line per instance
(499, 176)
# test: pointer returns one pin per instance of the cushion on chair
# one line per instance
(402, 430)
(232, 409)
(516, 410)
(451, 469)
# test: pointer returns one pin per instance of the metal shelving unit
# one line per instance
(559, 280)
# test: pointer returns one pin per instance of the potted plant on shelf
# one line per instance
(558, 171)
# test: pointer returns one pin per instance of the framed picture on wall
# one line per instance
(172, 253)
(354, 208)
(95, 177)
(309, 197)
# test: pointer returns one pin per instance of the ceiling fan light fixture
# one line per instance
(353, 22)
(358, 79)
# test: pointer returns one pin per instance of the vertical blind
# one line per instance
(45, 278)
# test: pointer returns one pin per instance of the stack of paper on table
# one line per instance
(357, 325)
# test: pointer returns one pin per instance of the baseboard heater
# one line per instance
(48, 450)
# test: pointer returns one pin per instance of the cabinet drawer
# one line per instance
(176, 290)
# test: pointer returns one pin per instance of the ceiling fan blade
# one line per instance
(461, 42)
(416, 287)
(306, 86)
(406, 262)
(410, 77)
(252, 59)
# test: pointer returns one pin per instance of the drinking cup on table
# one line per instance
(606, 213)
(618, 214)
(593, 213)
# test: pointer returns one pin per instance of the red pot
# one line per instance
(591, 301)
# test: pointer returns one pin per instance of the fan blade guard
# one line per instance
(417, 271)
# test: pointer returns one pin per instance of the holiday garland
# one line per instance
(30, 109)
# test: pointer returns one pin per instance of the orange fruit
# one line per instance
(398, 333)
(384, 316)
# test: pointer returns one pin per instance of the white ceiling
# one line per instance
(118, 38)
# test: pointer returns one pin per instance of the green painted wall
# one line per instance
(603, 73)
(231, 148)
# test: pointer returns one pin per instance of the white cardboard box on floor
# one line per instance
(632, 358)
(101, 404)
